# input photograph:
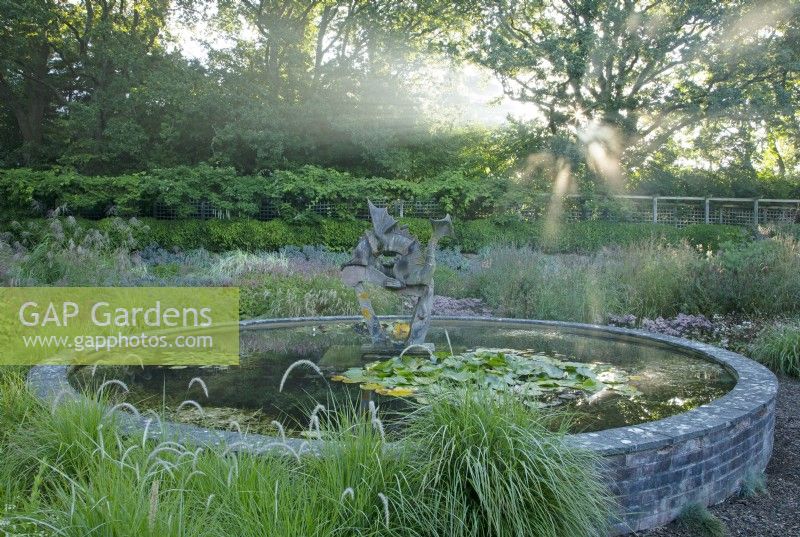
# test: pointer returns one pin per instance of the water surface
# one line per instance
(670, 380)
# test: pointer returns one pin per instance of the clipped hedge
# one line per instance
(25, 192)
(470, 235)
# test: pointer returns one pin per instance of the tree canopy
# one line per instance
(645, 91)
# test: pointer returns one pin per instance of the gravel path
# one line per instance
(776, 513)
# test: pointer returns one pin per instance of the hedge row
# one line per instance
(470, 236)
(288, 193)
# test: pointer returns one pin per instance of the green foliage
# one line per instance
(588, 236)
(490, 466)
(591, 236)
(17, 402)
(470, 235)
(533, 377)
(251, 235)
(74, 470)
(647, 280)
(299, 296)
(296, 190)
(729, 182)
(647, 277)
(758, 277)
(527, 283)
(291, 194)
(27, 192)
(778, 347)
(654, 280)
(61, 438)
(244, 235)
(697, 520)
(782, 230)
(636, 108)
(72, 76)
(101, 88)
(449, 281)
(754, 484)
(63, 252)
(711, 237)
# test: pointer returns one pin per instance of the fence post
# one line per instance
(655, 209)
(755, 211)
(708, 211)
(401, 208)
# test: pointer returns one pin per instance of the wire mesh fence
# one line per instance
(201, 210)
(670, 210)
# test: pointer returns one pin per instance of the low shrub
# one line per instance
(521, 282)
(711, 237)
(778, 347)
(63, 252)
(221, 235)
(306, 296)
(578, 237)
(652, 279)
(754, 484)
(490, 466)
(698, 521)
(646, 280)
(759, 277)
(584, 237)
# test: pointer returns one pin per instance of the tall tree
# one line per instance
(327, 80)
(57, 54)
(646, 68)
(28, 85)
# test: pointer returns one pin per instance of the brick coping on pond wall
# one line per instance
(654, 469)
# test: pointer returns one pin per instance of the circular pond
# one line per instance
(604, 381)
(672, 421)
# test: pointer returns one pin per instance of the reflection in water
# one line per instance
(670, 380)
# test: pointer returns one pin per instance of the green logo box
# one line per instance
(119, 326)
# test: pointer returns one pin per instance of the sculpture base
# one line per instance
(389, 350)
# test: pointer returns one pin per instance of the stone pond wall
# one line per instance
(701, 456)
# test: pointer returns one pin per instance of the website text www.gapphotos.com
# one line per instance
(119, 341)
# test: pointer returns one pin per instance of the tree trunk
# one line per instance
(781, 163)
(29, 108)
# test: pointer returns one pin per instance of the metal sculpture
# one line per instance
(408, 271)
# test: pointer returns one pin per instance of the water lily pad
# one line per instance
(539, 380)
(352, 376)
(396, 392)
(458, 376)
